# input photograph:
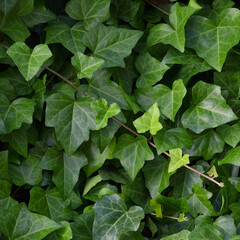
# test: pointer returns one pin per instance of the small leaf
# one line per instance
(86, 65)
(177, 160)
(182, 218)
(112, 218)
(149, 121)
(29, 63)
(104, 112)
(132, 153)
(91, 182)
(156, 207)
(213, 172)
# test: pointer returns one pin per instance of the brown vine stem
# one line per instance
(129, 129)
(155, 6)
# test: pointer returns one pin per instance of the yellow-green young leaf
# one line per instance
(104, 112)
(156, 207)
(86, 64)
(195, 5)
(182, 218)
(213, 172)
(149, 121)
(175, 35)
(29, 62)
(177, 160)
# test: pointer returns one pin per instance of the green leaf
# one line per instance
(235, 208)
(104, 112)
(151, 70)
(112, 218)
(210, 108)
(15, 113)
(20, 223)
(175, 35)
(111, 44)
(5, 200)
(177, 160)
(7, 89)
(29, 63)
(86, 65)
(212, 40)
(72, 120)
(183, 235)
(23, 8)
(149, 121)
(4, 166)
(199, 203)
(156, 207)
(156, 175)
(231, 157)
(63, 233)
(172, 138)
(70, 38)
(169, 101)
(206, 144)
(7, 5)
(132, 153)
(91, 12)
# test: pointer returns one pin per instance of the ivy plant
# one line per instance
(119, 119)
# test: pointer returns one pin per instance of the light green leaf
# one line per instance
(70, 38)
(183, 235)
(91, 12)
(210, 108)
(199, 203)
(232, 157)
(169, 101)
(212, 40)
(156, 207)
(19, 223)
(72, 120)
(156, 175)
(104, 112)
(91, 182)
(111, 44)
(7, 5)
(206, 144)
(49, 203)
(175, 35)
(172, 138)
(151, 70)
(63, 233)
(132, 153)
(177, 160)
(112, 218)
(15, 113)
(195, 5)
(29, 63)
(86, 65)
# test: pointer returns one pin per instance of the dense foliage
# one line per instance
(119, 119)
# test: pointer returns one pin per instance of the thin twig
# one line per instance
(73, 75)
(236, 52)
(165, 216)
(155, 6)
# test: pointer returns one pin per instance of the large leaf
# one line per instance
(112, 218)
(213, 39)
(111, 44)
(7, 5)
(72, 119)
(15, 113)
(132, 153)
(232, 157)
(175, 35)
(91, 12)
(29, 62)
(210, 108)
(149, 121)
(70, 38)
(151, 70)
(20, 223)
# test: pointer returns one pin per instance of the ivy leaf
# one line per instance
(132, 153)
(231, 157)
(5, 200)
(7, 5)
(63, 233)
(70, 38)
(4, 166)
(156, 175)
(199, 203)
(71, 119)
(86, 65)
(212, 40)
(149, 121)
(29, 63)
(112, 218)
(12, 225)
(91, 12)
(172, 138)
(169, 101)
(111, 44)
(175, 35)
(183, 235)
(15, 113)
(156, 207)
(104, 112)
(151, 70)
(177, 160)
(210, 108)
